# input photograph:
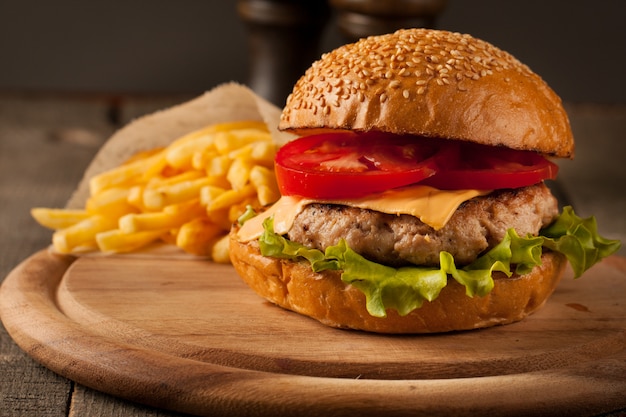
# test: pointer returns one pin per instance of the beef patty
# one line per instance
(478, 225)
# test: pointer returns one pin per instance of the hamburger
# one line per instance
(414, 199)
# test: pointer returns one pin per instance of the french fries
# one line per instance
(188, 193)
(58, 218)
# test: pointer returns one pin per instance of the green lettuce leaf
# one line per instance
(578, 240)
(405, 289)
(246, 215)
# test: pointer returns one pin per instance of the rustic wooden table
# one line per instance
(47, 141)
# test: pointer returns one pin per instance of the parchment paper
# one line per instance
(225, 103)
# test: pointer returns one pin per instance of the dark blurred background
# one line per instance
(190, 46)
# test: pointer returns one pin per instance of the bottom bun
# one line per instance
(323, 296)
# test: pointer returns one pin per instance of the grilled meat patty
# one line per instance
(476, 226)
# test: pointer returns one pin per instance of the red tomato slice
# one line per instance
(335, 166)
(489, 168)
(348, 165)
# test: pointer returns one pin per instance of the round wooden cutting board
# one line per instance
(188, 335)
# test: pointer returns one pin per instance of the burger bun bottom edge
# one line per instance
(323, 296)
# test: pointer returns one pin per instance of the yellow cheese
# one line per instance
(432, 206)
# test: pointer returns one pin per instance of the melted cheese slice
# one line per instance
(432, 206)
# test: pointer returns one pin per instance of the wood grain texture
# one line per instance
(45, 146)
(187, 335)
(47, 140)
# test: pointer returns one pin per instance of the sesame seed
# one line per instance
(374, 65)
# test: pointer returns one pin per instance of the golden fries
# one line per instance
(117, 241)
(198, 236)
(58, 218)
(264, 182)
(219, 252)
(187, 194)
(82, 234)
(124, 174)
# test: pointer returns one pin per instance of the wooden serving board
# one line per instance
(188, 335)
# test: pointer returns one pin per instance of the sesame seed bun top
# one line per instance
(431, 83)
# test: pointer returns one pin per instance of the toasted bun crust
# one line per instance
(323, 296)
(430, 83)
